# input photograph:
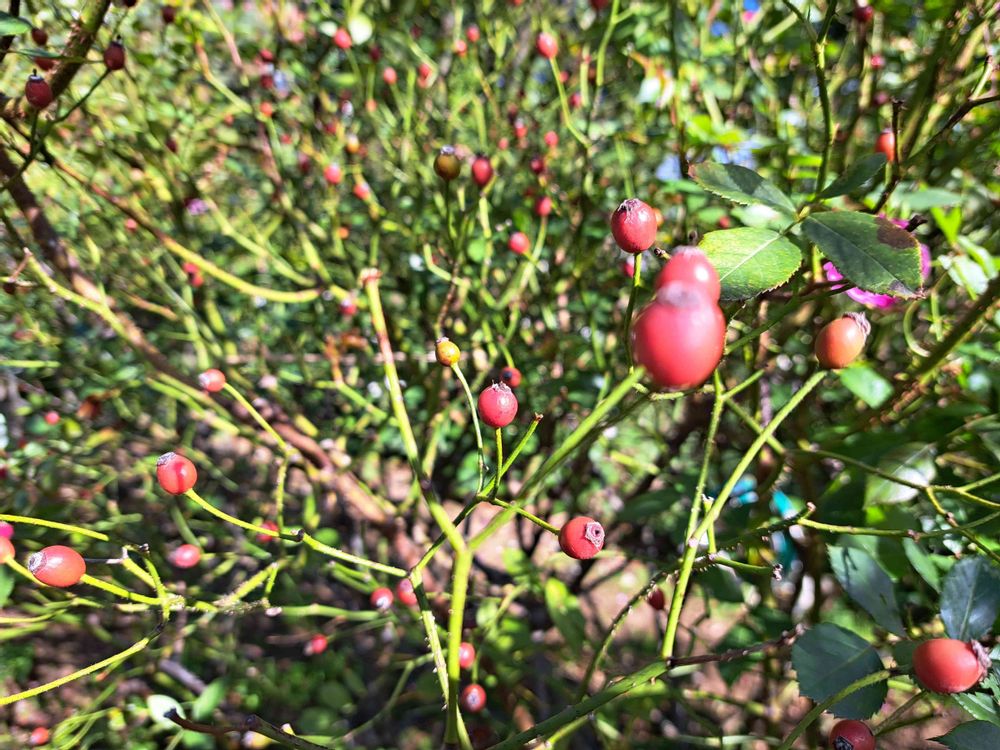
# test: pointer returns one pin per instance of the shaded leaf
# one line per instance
(565, 612)
(827, 659)
(855, 176)
(980, 705)
(750, 261)
(871, 252)
(973, 735)
(910, 462)
(970, 598)
(866, 383)
(867, 584)
(740, 185)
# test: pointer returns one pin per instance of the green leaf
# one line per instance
(360, 28)
(867, 584)
(866, 383)
(565, 612)
(980, 705)
(209, 700)
(922, 200)
(750, 261)
(6, 584)
(871, 252)
(970, 598)
(973, 735)
(855, 176)
(12, 25)
(827, 659)
(911, 462)
(740, 185)
(923, 563)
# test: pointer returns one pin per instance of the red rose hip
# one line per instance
(57, 566)
(405, 593)
(842, 340)
(633, 225)
(657, 599)
(38, 92)
(6, 550)
(946, 665)
(688, 263)
(381, 598)
(850, 734)
(679, 337)
(581, 538)
(886, 144)
(497, 405)
(482, 171)
(519, 243)
(185, 556)
(511, 376)
(547, 45)
(466, 655)
(114, 55)
(473, 698)
(212, 380)
(175, 473)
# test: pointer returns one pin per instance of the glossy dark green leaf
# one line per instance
(871, 252)
(867, 584)
(912, 463)
(12, 25)
(973, 735)
(828, 659)
(740, 185)
(970, 598)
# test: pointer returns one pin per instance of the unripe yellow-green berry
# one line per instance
(447, 352)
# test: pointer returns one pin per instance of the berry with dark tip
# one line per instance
(473, 698)
(511, 376)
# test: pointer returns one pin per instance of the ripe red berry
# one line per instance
(543, 206)
(842, 340)
(497, 405)
(946, 665)
(39, 736)
(332, 174)
(114, 55)
(375, 53)
(482, 171)
(6, 529)
(38, 92)
(446, 164)
(886, 144)
(546, 45)
(389, 76)
(575, 100)
(511, 376)
(679, 337)
(51, 417)
(863, 13)
(551, 139)
(473, 698)
(175, 473)
(6, 550)
(405, 593)
(460, 47)
(581, 538)
(185, 556)
(212, 380)
(348, 306)
(266, 110)
(342, 38)
(39, 36)
(424, 70)
(633, 225)
(168, 13)
(689, 264)
(317, 645)
(361, 190)
(628, 267)
(520, 129)
(266, 538)
(446, 352)
(466, 655)
(57, 566)
(537, 164)
(45, 63)
(877, 62)
(657, 599)
(472, 34)
(519, 243)
(381, 598)
(851, 735)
